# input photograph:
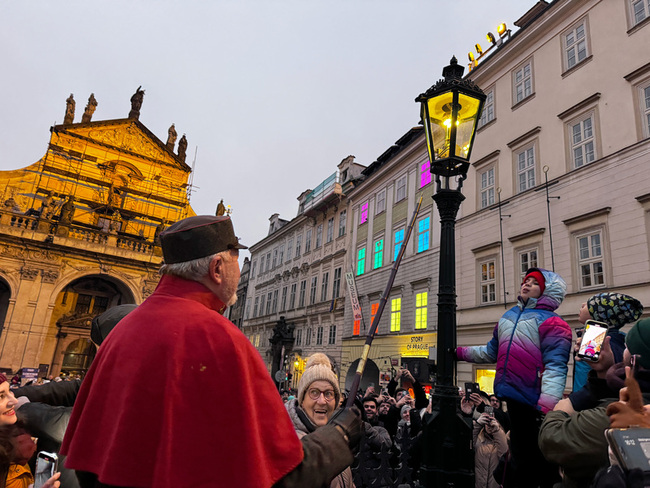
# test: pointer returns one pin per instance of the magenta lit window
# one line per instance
(364, 213)
(425, 174)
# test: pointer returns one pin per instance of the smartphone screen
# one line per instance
(46, 466)
(592, 340)
(489, 410)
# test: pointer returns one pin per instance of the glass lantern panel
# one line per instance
(439, 121)
(467, 118)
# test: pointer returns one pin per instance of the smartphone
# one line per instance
(630, 448)
(471, 388)
(489, 410)
(592, 341)
(46, 466)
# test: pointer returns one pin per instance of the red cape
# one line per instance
(178, 397)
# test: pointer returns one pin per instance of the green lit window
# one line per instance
(379, 254)
(421, 300)
(395, 314)
(361, 261)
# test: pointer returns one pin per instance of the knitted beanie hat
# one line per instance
(615, 309)
(638, 341)
(3, 378)
(318, 367)
(537, 274)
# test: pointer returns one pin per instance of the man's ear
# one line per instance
(216, 269)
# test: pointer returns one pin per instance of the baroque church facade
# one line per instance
(79, 234)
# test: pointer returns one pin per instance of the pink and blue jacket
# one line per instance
(531, 346)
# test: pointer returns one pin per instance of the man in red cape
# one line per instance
(178, 397)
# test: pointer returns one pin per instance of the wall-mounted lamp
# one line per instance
(502, 29)
(479, 49)
(491, 38)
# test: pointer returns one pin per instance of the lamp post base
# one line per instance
(449, 455)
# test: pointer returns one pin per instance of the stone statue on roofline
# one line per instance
(171, 137)
(69, 110)
(136, 103)
(182, 148)
(90, 109)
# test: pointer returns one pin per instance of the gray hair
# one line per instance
(194, 270)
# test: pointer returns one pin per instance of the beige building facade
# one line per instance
(297, 272)
(559, 175)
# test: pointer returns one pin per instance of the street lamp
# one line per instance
(450, 112)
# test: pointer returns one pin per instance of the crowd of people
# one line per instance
(151, 413)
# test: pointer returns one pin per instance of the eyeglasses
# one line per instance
(315, 393)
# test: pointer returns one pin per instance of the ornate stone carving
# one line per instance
(148, 288)
(29, 274)
(49, 275)
(130, 139)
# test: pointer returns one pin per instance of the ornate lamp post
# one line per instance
(450, 112)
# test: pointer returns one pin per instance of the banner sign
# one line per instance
(354, 299)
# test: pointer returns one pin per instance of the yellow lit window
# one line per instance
(395, 314)
(421, 300)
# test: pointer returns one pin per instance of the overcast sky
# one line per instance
(272, 94)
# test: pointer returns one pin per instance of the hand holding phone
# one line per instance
(471, 388)
(592, 341)
(46, 466)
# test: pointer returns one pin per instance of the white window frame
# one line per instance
(283, 300)
(274, 307)
(330, 230)
(527, 150)
(644, 107)
(380, 206)
(487, 190)
(319, 236)
(336, 283)
(488, 114)
(487, 283)
(269, 297)
(332, 335)
(342, 221)
(298, 337)
(591, 258)
(582, 140)
(292, 295)
(526, 259)
(400, 188)
(639, 11)
(298, 245)
(313, 288)
(302, 293)
(523, 86)
(576, 48)
(324, 286)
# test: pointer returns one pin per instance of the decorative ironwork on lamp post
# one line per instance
(450, 112)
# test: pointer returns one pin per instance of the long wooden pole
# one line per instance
(382, 304)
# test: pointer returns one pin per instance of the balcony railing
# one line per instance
(328, 190)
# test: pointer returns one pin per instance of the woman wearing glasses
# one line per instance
(318, 397)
